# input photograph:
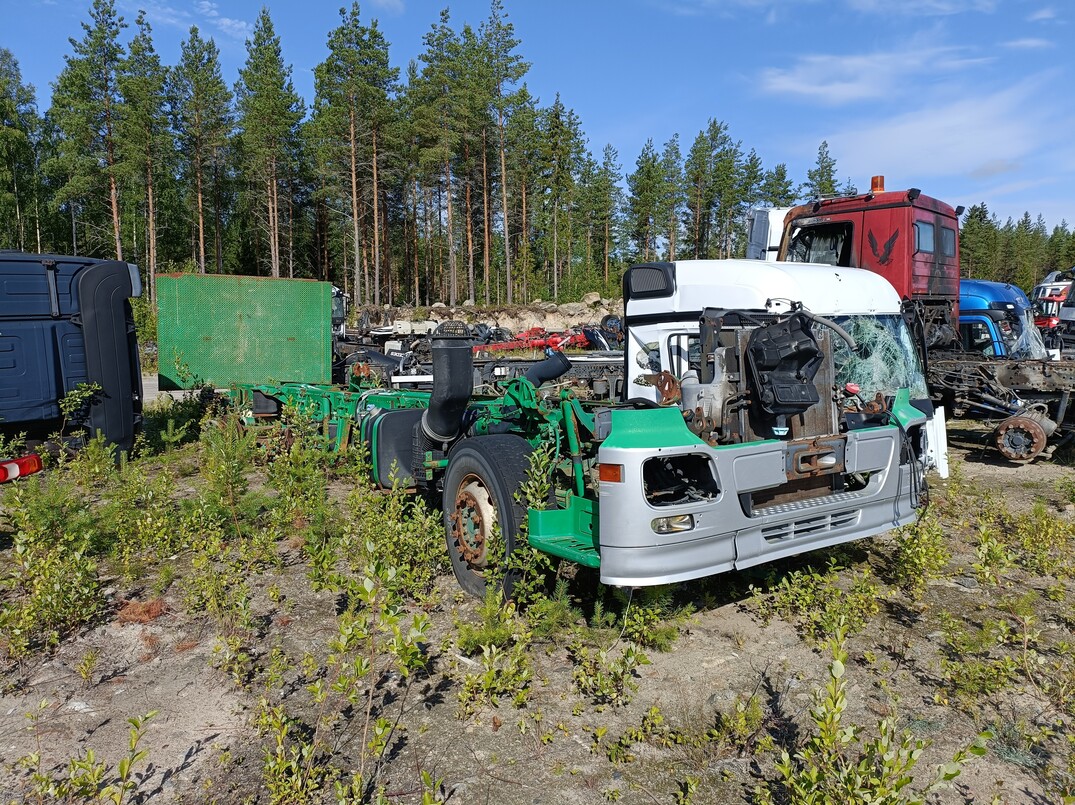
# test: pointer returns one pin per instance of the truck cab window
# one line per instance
(948, 241)
(976, 337)
(826, 243)
(924, 236)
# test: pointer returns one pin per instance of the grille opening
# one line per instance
(675, 480)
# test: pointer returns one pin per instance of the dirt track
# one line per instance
(203, 746)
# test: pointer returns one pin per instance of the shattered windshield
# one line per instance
(828, 243)
(886, 359)
(1023, 340)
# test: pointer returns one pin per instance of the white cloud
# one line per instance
(923, 7)
(981, 137)
(1042, 15)
(163, 14)
(836, 80)
(236, 29)
(1028, 43)
(392, 6)
(917, 8)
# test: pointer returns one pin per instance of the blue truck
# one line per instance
(997, 319)
(67, 322)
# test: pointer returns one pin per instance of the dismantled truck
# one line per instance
(767, 410)
(66, 322)
(912, 240)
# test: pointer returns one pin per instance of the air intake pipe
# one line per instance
(453, 383)
(551, 368)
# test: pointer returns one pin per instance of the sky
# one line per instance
(971, 101)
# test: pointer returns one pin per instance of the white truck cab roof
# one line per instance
(691, 285)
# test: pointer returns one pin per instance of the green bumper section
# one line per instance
(570, 533)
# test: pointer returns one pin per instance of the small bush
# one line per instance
(818, 604)
(837, 764)
(921, 554)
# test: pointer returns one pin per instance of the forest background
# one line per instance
(444, 181)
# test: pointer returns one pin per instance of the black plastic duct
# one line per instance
(551, 368)
(453, 383)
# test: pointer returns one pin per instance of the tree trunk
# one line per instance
(201, 219)
(672, 235)
(524, 246)
(453, 291)
(376, 228)
(290, 232)
(218, 223)
(151, 233)
(113, 190)
(353, 153)
(486, 222)
(468, 207)
(555, 254)
(271, 226)
(18, 206)
(504, 206)
(607, 247)
(415, 255)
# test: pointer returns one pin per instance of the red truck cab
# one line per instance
(909, 238)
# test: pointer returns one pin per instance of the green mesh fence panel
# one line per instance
(221, 329)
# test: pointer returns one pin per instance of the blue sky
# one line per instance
(969, 100)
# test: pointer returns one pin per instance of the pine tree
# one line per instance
(144, 139)
(821, 179)
(776, 188)
(506, 70)
(561, 148)
(202, 119)
(672, 195)
(435, 121)
(472, 118)
(86, 106)
(524, 167)
(18, 122)
(352, 112)
(269, 114)
(607, 206)
(645, 190)
(979, 244)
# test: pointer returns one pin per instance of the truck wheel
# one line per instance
(1020, 438)
(483, 476)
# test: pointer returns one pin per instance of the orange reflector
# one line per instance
(877, 184)
(610, 473)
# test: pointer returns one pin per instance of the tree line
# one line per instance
(447, 183)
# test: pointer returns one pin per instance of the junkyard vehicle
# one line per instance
(751, 428)
(913, 241)
(997, 319)
(67, 322)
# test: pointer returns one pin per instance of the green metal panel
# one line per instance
(230, 329)
(570, 533)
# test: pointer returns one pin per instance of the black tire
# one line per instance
(484, 473)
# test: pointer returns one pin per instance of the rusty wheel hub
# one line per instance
(473, 520)
(1020, 438)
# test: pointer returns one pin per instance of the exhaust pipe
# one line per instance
(453, 383)
(554, 366)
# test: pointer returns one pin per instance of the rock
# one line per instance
(591, 299)
(574, 309)
(468, 303)
(438, 304)
(536, 302)
(549, 307)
